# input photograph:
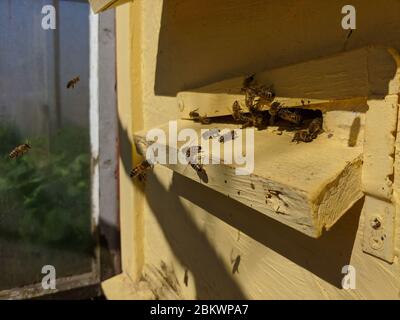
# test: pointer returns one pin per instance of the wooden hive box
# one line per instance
(307, 186)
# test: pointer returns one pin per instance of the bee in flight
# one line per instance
(140, 169)
(73, 82)
(19, 151)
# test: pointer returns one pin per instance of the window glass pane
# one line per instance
(45, 209)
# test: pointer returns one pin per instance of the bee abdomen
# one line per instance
(290, 116)
(19, 151)
(197, 166)
(139, 169)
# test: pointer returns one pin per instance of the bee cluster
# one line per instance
(262, 111)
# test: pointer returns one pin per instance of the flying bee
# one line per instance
(140, 169)
(315, 127)
(19, 151)
(289, 115)
(71, 83)
(231, 135)
(302, 136)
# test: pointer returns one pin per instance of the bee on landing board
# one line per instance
(302, 136)
(19, 151)
(73, 82)
(231, 135)
(192, 155)
(140, 169)
(237, 113)
(315, 127)
(210, 134)
(194, 115)
(290, 115)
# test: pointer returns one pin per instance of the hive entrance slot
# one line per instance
(306, 124)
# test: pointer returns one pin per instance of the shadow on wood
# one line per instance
(324, 257)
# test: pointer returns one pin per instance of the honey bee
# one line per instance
(19, 151)
(73, 82)
(194, 115)
(266, 93)
(140, 169)
(258, 97)
(192, 151)
(191, 154)
(254, 120)
(250, 96)
(273, 112)
(315, 127)
(302, 136)
(231, 135)
(310, 133)
(289, 115)
(212, 133)
(258, 121)
(237, 113)
(198, 167)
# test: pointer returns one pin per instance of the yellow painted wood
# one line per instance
(121, 287)
(360, 73)
(306, 186)
(130, 119)
(102, 5)
(203, 235)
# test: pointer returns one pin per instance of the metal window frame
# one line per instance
(104, 167)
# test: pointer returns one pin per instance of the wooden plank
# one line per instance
(129, 94)
(361, 73)
(305, 186)
(379, 144)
